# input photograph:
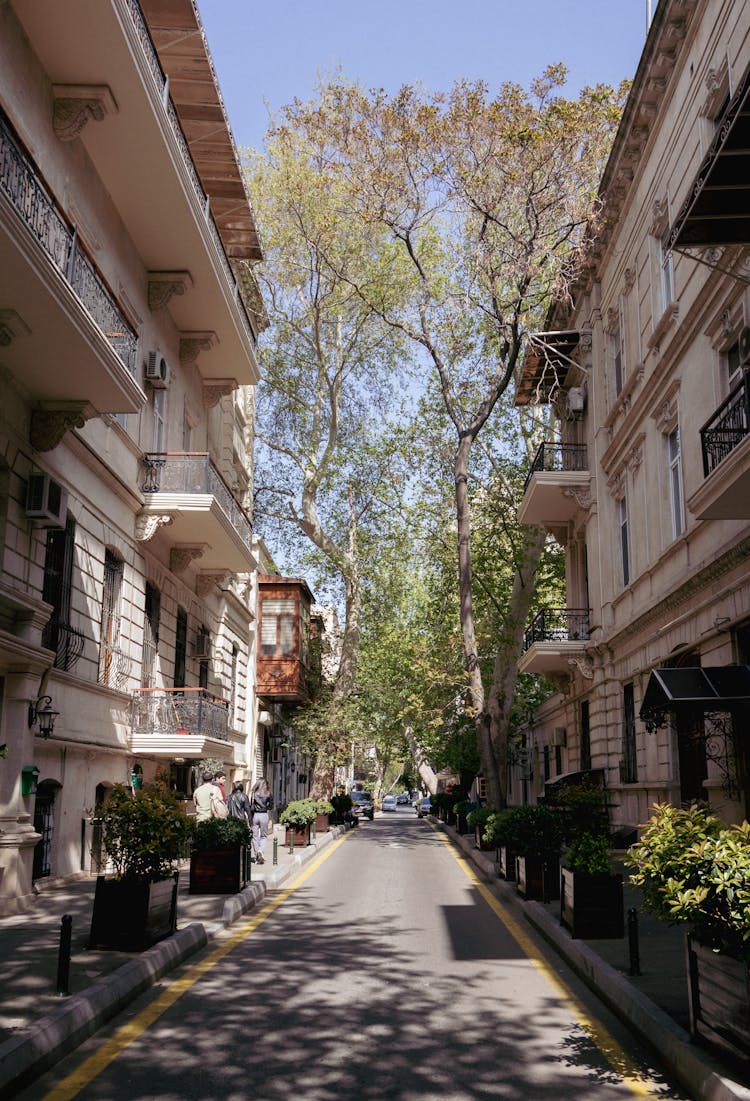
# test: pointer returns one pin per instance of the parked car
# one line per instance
(403, 799)
(423, 806)
(362, 804)
(389, 802)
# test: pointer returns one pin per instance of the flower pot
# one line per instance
(218, 871)
(538, 878)
(591, 906)
(130, 915)
(507, 863)
(301, 835)
(719, 999)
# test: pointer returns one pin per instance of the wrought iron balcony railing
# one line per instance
(558, 456)
(162, 84)
(193, 472)
(180, 711)
(728, 426)
(66, 641)
(114, 666)
(21, 183)
(557, 625)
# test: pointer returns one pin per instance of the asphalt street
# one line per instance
(386, 971)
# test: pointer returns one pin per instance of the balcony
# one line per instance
(185, 492)
(556, 486)
(63, 331)
(725, 443)
(182, 722)
(554, 638)
(171, 187)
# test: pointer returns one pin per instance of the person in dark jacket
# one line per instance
(261, 802)
(238, 804)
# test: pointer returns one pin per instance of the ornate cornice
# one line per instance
(217, 388)
(12, 325)
(193, 343)
(147, 524)
(165, 285)
(77, 104)
(181, 557)
(50, 422)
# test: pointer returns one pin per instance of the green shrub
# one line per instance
(585, 810)
(478, 817)
(588, 854)
(535, 830)
(497, 829)
(145, 833)
(221, 833)
(459, 807)
(341, 804)
(323, 806)
(694, 868)
(300, 812)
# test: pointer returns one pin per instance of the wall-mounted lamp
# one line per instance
(43, 713)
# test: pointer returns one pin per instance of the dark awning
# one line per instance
(715, 688)
(545, 367)
(717, 211)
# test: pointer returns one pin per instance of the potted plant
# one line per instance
(218, 859)
(323, 812)
(536, 832)
(591, 902)
(477, 820)
(695, 869)
(498, 834)
(460, 810)
(144, 834)
(298, 817)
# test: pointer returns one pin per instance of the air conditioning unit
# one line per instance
(203, 644)
(559, 736)
(744, 343)
(576, 401)
(46, 501)
(156, 370)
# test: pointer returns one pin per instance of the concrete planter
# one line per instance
(591, 906)
(130, 915)
(218, 871)
(719, 997)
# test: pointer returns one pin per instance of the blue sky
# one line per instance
(271, 52)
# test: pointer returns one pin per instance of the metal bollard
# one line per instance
(635, 957)
(63, 956)
(291, 841)
(275, 850)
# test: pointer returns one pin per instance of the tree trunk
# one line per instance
(425, 771)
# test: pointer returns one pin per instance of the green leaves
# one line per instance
(144, 833)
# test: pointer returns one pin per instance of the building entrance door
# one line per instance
(44, 823)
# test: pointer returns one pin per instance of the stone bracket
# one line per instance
(51, 420)
(165, 285)
(77, 104)
(193, 343)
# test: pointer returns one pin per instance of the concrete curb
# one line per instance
(39, 1046)
(693, 1068)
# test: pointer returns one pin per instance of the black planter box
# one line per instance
(719, 996)
(591, 906)
(507, 863)
(481, 844)
(218, 871)
(130, 915)
(538, 878)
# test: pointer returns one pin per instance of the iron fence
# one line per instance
(180, 711)
(557, 625)
(557, 456)
(193, 472)
(728, 426)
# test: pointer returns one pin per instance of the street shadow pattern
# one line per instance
(316, 1006)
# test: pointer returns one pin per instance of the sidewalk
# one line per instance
(654, 1004)
(38, 1027)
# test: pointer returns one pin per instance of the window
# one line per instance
(628, 764)
(112, 670)
(616, 353)
(622, 506)
(585, 736)
(233, 686)
(180, 648)
(151, 635)
(277, 627)
(159, 407)
(58, 635)
(666, 271)
(732, 365)
(675, 482)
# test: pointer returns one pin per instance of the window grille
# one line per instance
(151, 635)
(628, 764)
(58, 634)
(585, 736)
(113, 663)
(180, 648)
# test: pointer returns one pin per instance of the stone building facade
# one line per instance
(647, 487)
(129, 315)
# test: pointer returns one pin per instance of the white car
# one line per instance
(389, 802)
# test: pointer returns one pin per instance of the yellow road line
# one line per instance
(607, 1045)
(71, 1085)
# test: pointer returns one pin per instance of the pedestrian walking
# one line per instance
(238, 804)
(261, 802)
(207, 799)
(219, 779)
